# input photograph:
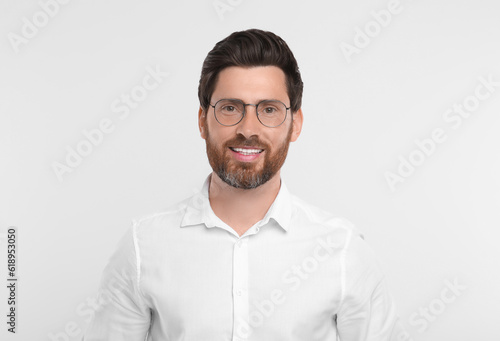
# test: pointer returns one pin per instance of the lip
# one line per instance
(245, 158)
(246, 147)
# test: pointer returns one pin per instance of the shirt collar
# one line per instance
(199, 211)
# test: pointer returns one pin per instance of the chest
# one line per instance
(253, 291)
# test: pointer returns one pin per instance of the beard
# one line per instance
(245, 175)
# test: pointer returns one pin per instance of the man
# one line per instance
(244, 259)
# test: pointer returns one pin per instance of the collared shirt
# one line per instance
(298, 274)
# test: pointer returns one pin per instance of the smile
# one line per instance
(246, 151)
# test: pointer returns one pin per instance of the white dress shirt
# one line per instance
(298, 274)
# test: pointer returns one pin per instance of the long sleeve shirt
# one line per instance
(298, 274)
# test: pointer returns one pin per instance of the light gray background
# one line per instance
(440, 224)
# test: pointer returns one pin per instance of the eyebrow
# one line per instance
(258, 100)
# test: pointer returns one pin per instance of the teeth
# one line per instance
(247, 151)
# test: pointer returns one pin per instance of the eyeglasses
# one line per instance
(229, 112)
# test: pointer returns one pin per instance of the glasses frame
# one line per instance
(245, 110)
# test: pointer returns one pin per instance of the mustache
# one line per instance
(241, 140)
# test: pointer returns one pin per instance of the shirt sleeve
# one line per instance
(367, 311)
(122, 314)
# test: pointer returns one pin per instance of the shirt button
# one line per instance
(238, 244)
(239, 292)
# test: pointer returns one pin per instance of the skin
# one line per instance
(237, 207)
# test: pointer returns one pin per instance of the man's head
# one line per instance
(246, 49)
(250, 66)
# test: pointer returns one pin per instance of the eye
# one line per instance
(228, 107)
(268, 110)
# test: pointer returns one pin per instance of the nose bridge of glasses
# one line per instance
(249, 104)
(246, 117)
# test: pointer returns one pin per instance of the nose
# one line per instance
(250, 124)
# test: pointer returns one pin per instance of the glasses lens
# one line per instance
(271, 113)
(229, 111)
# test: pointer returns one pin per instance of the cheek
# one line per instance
(216, 135)
(282, 136)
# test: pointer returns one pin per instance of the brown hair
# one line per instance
(249, 48)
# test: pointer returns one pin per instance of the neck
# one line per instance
(242, 208)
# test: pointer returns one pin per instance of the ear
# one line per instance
(297, 120)
(202, 117)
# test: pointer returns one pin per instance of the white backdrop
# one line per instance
(401, 121)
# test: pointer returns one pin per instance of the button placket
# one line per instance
(240, 290)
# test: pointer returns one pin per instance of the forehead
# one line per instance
(251, 83)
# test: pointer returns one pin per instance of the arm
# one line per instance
(123, 314)
(367, 311)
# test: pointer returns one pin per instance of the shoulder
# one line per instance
(314, 217)
(340, 234)
(157, 221)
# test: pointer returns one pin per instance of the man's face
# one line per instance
(224, 144)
